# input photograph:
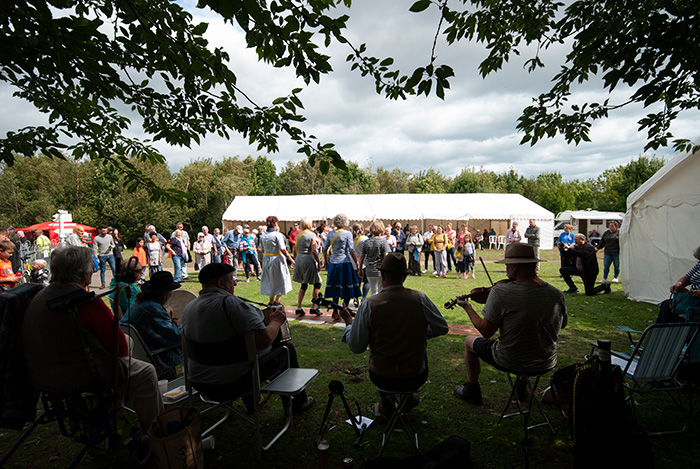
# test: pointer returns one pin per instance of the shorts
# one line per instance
(484, 350)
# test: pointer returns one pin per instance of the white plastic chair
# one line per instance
(501, 242)
(492, 241)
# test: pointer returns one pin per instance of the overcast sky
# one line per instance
(474, 126)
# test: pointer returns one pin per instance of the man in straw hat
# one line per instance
(528, 314)
(396, 324)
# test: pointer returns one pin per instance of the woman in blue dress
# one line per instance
(339, 252)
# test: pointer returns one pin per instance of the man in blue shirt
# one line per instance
(232, 241)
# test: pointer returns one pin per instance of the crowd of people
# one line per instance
(366, 266)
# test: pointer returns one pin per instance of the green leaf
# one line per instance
(419, 6)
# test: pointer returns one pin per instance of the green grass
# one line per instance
(439, 415)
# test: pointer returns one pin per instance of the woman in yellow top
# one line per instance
(440, 248)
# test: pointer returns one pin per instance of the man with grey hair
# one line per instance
(75, 238)
(584, 265)
(54, 354)
(232, 241)
(528, 314)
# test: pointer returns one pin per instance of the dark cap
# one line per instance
(160, 282)
(213, 271)
(394, 262)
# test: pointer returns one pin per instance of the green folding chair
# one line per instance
(653, 364)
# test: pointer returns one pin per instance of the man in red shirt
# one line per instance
(293, 235)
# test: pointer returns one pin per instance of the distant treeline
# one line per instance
(33, 189)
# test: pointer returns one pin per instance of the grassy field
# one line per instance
(494, 445)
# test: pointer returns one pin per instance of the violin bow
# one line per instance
(485, 270)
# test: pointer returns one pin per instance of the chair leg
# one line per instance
(399, 415)
(524, 412)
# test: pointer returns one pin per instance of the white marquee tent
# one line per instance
(660, 230)
(416, 208)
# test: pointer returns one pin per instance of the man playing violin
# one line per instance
(528, 314)
(395, 324)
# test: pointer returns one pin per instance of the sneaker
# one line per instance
(425, 271)
(258, 279)
(603, 280)
(607, 289)
(615, 280)
(315, 312)
(571, 290)
(469, 392)
(299, 312)
(247, 280)
(310, 402)
(473, 276)
(444, 275)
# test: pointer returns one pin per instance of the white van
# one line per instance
(586, 221)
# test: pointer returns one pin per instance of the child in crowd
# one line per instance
(40, 274)
(8, 279)
(140, 253)
(460, 263)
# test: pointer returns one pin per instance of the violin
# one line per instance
(477, 295)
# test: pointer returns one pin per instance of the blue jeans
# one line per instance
(611, 259)
(451, 259)
(178, 262)
(250, 260)
(104, 260)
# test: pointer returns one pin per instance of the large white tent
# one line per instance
(416, 208)
(660, 230)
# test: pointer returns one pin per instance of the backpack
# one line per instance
(603, 430)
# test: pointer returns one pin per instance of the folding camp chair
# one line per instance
(141, 351)
(89, 413)
(287, 384)
(652, 365)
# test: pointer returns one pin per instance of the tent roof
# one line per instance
(361, 207)
(54, 225)
(589, 214)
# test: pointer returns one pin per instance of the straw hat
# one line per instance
(519, 253)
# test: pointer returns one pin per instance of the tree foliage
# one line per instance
(35, 188)
(84, 62)
(80, 61)
(647, 46)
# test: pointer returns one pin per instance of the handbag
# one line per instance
(175, 438)
(682, 302)
(189, 256)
